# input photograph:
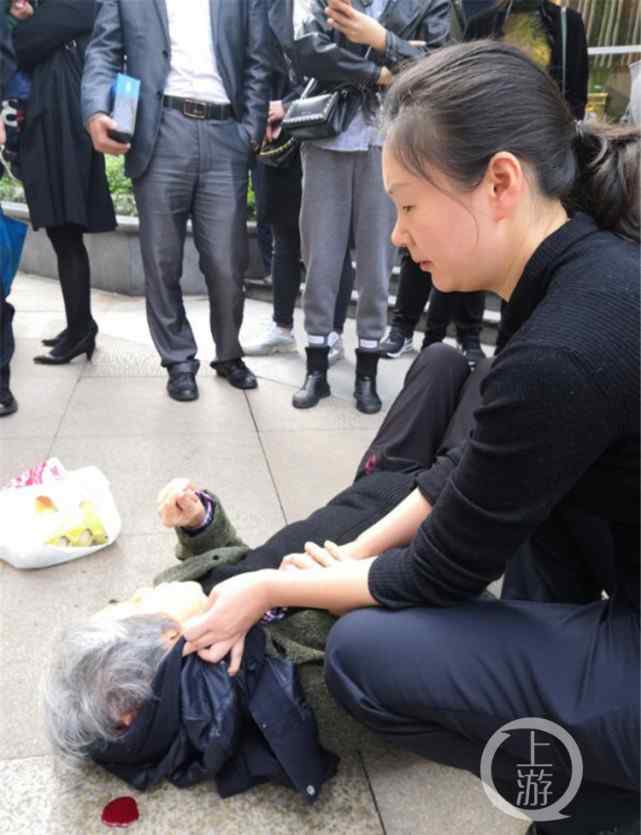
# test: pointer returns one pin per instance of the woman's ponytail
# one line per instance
(608, 181)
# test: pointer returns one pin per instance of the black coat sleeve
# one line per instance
(54, 24)
(524, 456)
(325, 55)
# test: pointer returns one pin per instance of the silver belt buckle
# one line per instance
(195, 109)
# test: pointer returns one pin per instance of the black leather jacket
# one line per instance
(326, 55)
(202, 724)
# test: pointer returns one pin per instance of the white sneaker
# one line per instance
(276, 340)
(336, 348)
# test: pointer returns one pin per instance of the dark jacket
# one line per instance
(7, 56)
(325, 54)
(489, 24)
(242, 731)
(64, 178)
(140, 31)
(554, 457)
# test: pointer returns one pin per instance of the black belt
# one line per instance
(199, 109)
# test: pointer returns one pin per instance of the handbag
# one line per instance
(280, 152)
(324, 115)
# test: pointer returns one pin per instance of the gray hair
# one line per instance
(103, 670)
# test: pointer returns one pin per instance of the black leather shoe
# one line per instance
(367, 399)
(64, 352)
(182, 386)
(313, 389)
(8, 404)
(236, 373)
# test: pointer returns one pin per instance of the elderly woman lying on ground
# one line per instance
(124, 691)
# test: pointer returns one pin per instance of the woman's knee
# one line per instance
(347, 656)
(439, 359)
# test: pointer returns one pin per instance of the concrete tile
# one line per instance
(34, 293)
(434, 799)
(37, 604)
(271, 406)
(138, 467)
(126, 352)
(43, 399)
(123, 406)
(17, 455)
(305, 480)
(38, 796)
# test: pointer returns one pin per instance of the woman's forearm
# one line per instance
(397, 528)
(341, 587)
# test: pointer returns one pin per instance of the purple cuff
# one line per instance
(210, 506)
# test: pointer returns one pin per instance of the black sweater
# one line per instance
(557, 433)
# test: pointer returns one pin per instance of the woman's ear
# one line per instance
(505, 184)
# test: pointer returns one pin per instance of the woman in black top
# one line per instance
(497, 188)
(64, 178)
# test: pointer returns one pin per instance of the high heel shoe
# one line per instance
(54, 340)
(63, 353)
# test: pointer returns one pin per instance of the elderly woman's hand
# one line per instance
(179, 506)
(235, 605)
(317, 557)
(356, 26)
(20, 9)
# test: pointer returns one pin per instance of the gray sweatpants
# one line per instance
(198, 171)
(343, 194)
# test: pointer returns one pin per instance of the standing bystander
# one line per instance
(204, 93)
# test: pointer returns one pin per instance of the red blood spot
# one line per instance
(120, 812)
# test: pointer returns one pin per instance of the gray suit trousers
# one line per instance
(198, 171)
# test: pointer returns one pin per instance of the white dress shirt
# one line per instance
(193, 73)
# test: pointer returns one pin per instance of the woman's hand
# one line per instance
(179, 506)
(356, 26)
(275, 116)
(21, 9)
(3, 133)
(235, 605)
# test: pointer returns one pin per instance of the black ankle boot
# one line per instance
(367, 399)
(315, 386)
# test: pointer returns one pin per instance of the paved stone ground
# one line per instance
(271, 464)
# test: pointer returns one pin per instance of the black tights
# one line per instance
(74, 274)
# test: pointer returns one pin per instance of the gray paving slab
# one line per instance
(233, 466)
(307, 473)
(19, 454)
(43, 398)
(416, 796)
(39, 798)
(118, 407)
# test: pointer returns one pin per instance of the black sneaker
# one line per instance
(396, 343)
(473, 353)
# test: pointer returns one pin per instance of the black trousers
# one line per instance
(441, 682)
(7, 342)
(415, 288)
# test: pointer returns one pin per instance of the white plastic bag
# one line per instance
(49, 516)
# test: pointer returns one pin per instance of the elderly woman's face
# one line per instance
(179, 601)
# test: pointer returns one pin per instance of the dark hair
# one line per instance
(462, 104)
